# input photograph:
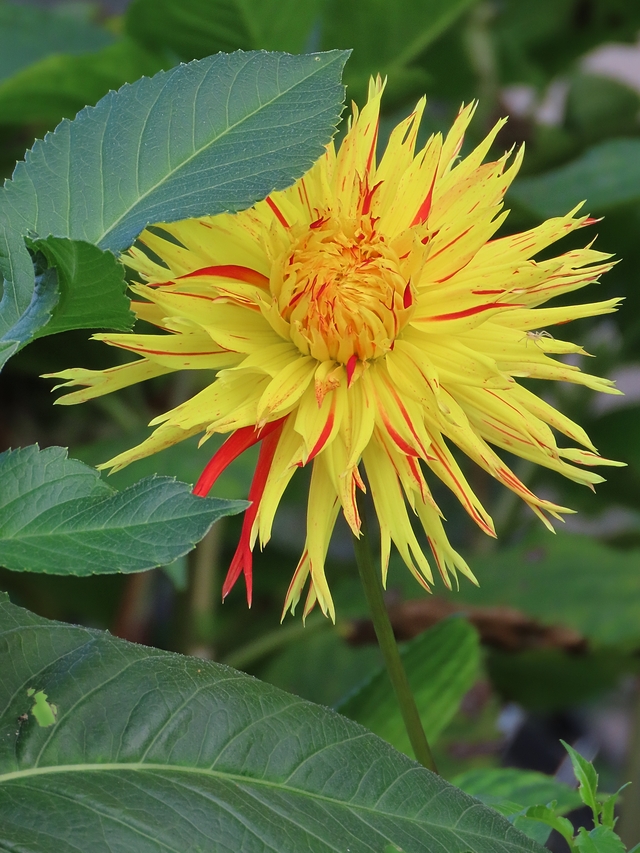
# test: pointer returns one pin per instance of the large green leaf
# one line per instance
(513, 792)
(60, 85)
(217, 134)
(210, 136)
(196, 28)
(607, 176)
(57, 516)
(29, 33)
(441, 666)
(151, 752)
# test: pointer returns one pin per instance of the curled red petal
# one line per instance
(236, 444)
(242, 559)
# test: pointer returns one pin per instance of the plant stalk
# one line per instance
(387, 641)
(628, 827)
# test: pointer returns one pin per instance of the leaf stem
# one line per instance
(384, 632)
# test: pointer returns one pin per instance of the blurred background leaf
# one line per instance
(195, 28)
(60, 85)
(29, 33)
(442, 664)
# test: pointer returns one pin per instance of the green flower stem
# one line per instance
(384, 632)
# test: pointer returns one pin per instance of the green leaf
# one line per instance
(60, 85)
(58, 517)
(152, 752)
(587, 779)
(608, 817)
(606, 176)
(527, 787)
(214, 135)
(92, 289)
(441, 664)
(540, 832)
(196, 28)
(23, 310)
(386, 37)
(29, 33)
(599, 840)
(548, 816)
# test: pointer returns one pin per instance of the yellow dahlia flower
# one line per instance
(364, 321)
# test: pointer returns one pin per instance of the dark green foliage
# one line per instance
(197, 28)
(29, 33)
(605, 177)
(58, 517)
(600, 593)
(60, 85)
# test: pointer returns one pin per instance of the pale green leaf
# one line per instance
(91, 285)
(587, 778)
(549, 816)
(599, 840)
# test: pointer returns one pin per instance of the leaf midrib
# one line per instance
(18, 775)
(226, 131)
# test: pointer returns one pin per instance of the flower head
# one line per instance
(365, 321)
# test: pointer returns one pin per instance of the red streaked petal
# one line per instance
(368, 198)
(324, 435)
(425, 207)
(242, 563)
(234, 271)
(469, 312)
(351, 366)
(236, 444)
(407, 298)
(374, 143)
(242, 559)
(279, 215)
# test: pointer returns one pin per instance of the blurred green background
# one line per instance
(559, 617)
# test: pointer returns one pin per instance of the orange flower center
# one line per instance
(342, 290)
